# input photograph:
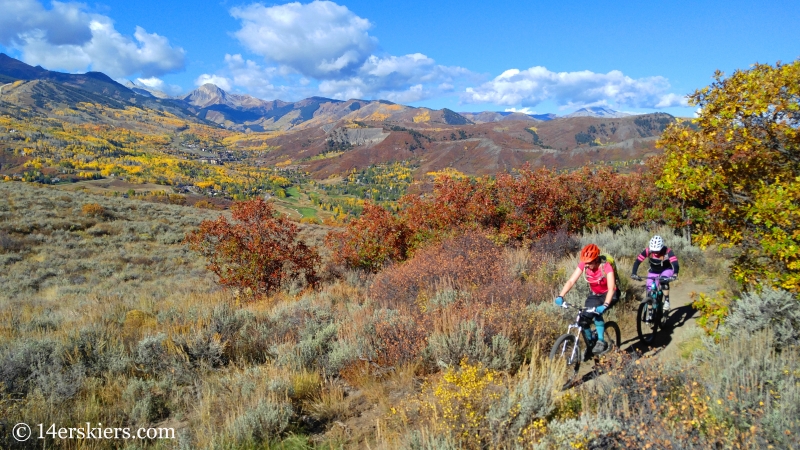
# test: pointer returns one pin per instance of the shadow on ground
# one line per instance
(677, 318)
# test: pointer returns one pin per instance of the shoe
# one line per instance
(600, 347)
(666, 305)
(589, 353)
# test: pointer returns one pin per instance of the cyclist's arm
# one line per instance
(611, 282)
(674, 261)
(571, 282)
(642, 256)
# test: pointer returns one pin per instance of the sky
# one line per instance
(530, 56)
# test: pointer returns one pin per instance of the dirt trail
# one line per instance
(679, 328)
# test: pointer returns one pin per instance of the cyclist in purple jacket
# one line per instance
(663, 263)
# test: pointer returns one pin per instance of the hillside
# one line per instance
(314, 154)
(141, 336)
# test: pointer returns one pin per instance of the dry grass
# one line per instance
(108, 318)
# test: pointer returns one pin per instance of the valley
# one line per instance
(315, 157)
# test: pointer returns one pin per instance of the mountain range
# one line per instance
(328, 137)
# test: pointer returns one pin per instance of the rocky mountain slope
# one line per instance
(327, 137)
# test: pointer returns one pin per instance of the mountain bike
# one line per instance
(650, 316)
(568, 345)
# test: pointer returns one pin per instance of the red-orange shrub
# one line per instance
(466, 262)
(514, 208)
(455, 206)
(400, 338)
(258, 252)
(370, 241)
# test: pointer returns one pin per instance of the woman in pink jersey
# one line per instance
(602, 292)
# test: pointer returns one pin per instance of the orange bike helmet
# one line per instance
(589, 253)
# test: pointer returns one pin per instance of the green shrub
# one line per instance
(58, 382)
(20, 361)
(587, 431)
(205, 348)
(444, 297)
(262, 423)
(628, 242)
(148, 400)
(342, 353)
(421, 440)
(9, 243)
(98, 352)
(469, 341)
(159, 355)
(770, 308)
(315, 344)
(755, 384)
(531, 397)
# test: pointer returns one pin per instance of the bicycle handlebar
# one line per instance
(566, 305)
(660, 279)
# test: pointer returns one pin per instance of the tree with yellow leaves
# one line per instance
(736, 168)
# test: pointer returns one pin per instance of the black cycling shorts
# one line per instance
(594, 300)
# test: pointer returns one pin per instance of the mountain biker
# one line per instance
(602, 292)
(663, 263)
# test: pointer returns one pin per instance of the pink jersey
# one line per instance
(597, 278)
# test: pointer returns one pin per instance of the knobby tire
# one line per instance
(642, 326)
(562, 349)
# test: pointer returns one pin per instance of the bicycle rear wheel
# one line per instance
(647, 322)
(613, 336)
(568, 349)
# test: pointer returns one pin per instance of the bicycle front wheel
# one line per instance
(568, 349)
(647, 322)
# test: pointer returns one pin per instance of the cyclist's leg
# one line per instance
(665, 286)
(599, 323)
(651, 280)
(600, 326)
(587, 333)
(592, 301)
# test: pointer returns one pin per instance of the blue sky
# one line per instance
(467, 56)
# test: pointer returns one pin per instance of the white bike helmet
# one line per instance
(656, 243)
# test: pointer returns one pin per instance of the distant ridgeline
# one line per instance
(57, 127)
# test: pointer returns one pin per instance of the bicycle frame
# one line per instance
(654, 299)
(576, 326)
(656, 292)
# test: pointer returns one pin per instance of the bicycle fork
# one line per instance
(578, 337)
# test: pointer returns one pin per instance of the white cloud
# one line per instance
(525, 110)
(250, 75)
(152, 82)
(322, 48)
(672, 100)
(412, 94)
(68, 38)
(404, 66)
(320, 39)
(402, 79)
(159, 84)
(572, 89)
(221, 82)
(343, 89)
(65, 24)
